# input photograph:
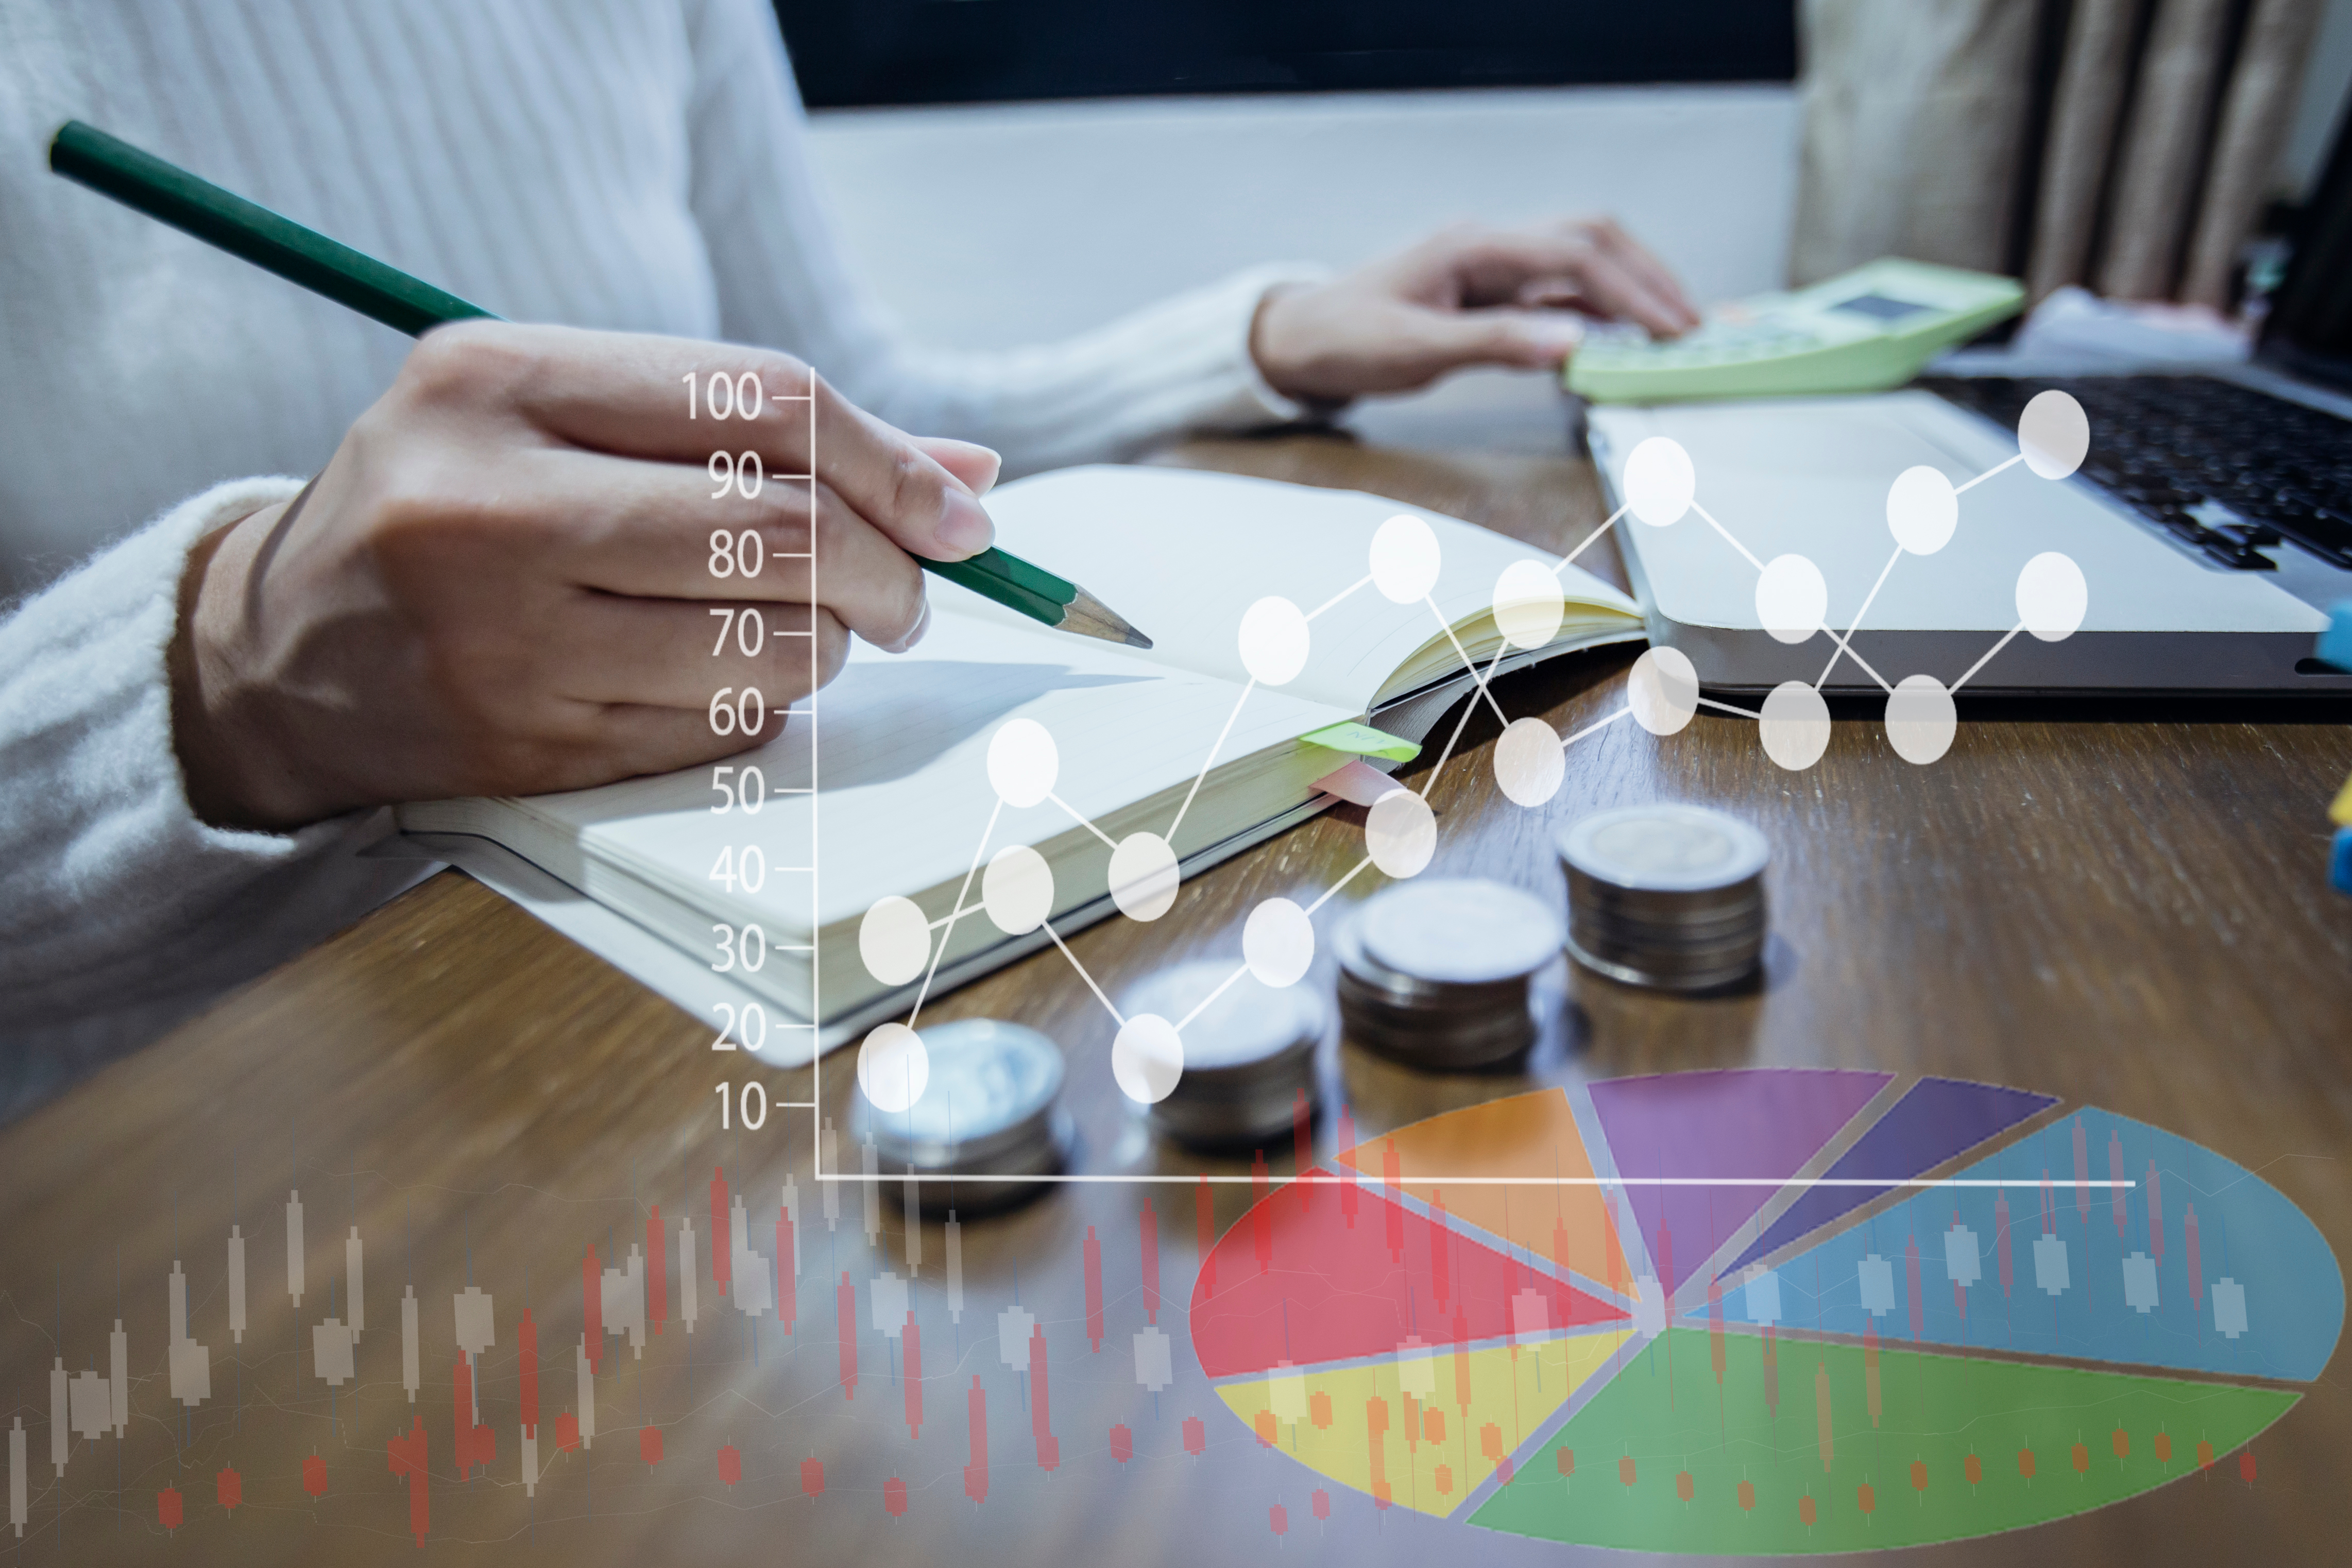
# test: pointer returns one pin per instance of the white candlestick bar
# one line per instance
(792, 1209)
(190, 1364)
(118, 1350)
(410, 1378)
(955, 1268)
(237, 1284)
(586, 1383)
(829, 1151)
(354, 1281)
(294, 1247)
(914, 1228)
(18, 1510)
(60, 1436)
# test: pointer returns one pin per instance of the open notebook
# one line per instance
(897, 749)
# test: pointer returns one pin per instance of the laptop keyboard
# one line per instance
(2223, 468)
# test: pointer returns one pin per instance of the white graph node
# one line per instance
(1143, 875)
(1659, 482)
(1147, 1059)
(1796, 726)
(1529, 762)
(2052, 598)
(1400, 833)
(1528, 604)
(1273, 641)
(1405, 561)
(1017, 889)
(1663, 690)
(893, 1067)
(1278, 942)
(1922, 509)
(894, 939)
(1920, 718)
(2054, 434)
(1792, 598)
(1022, 764)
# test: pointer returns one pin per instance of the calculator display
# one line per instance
(1879, 306)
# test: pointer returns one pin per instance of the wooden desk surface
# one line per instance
(2124, 909)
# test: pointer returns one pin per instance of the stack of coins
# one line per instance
(1667, 896)
(1440, 974)
(991, 1108)
(1247, 1055)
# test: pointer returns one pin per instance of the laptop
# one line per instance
(2211, 517)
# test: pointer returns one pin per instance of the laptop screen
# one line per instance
(2309, 330)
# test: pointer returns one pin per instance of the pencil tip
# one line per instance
(1089, 616)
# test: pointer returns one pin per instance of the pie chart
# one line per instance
(1767, 1311)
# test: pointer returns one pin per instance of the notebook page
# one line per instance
(1183, 554)
(902, 762)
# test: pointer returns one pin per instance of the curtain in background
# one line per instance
(2127, 145)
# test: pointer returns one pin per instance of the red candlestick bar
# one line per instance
(461, 1417)
(1260, 1222)
(1040, 1426)
(844, 1305)
(1346, 1181)
(406, 1456)
(1392, 1178)
(1093, 1250)
(975, 1474)
(1204, 1219)
(1302, 1157)
(914, 1376)
(1150, 1223)
(722, 1247)
(1437, 1237)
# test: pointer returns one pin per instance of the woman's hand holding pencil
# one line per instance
(511, 576)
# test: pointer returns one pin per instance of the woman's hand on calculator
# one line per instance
(1467, 295)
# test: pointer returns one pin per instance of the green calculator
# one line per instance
(1862, 332)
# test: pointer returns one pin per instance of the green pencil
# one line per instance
(164, 191)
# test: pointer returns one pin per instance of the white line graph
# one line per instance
(1278, 941)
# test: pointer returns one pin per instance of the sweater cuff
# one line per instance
(1253, 404)
(96, 812)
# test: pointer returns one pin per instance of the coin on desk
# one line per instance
(1666, 896)
(989, 1114)
(1248, 1054)
(1439, 973)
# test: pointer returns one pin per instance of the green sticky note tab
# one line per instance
(1363, 741)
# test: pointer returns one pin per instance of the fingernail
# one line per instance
(1560, 336)
(978, 454)
(964, 525)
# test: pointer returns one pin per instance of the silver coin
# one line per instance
(1664, 848)
(1248, 1054)
(1248, 1025)
(989, 1104)
(1458, 931)
(1362, 977)
(1666, 896)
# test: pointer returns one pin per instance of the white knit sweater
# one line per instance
(635, 164)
